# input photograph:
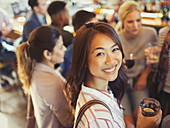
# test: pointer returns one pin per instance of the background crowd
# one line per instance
(62, 71)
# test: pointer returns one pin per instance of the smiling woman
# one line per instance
(97, 61)
(96, 73)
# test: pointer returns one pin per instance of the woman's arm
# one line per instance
(142, 80)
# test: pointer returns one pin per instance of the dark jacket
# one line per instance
(31, 23)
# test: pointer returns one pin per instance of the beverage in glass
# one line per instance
(150, 107)
(130, 61)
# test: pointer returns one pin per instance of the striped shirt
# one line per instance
(98, 116)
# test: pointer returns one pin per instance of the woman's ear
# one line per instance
(47, 55)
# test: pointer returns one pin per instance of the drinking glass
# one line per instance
(152, 53)
(130, 61)
(150, 107)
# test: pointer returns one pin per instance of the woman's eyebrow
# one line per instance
(97, 49)
(114, 45)
(102, 48)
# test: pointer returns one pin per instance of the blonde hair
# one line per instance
(25, 65)
(124, 10)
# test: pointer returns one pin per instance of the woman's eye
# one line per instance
(130, 21)
(138, 20)
(99, 54)
(115, 49)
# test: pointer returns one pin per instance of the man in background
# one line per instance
(36, 19)
(59, 18)
(79, 18)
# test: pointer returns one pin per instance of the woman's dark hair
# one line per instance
(40, 39)
(78, 70)
(81, 17)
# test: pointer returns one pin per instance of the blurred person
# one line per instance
(134, 38)
(160, 82)
(59, 18)
(6, 69)
(166, 122)
(79, 18)
(36, 60)
(164, 70)
(36, 19)
(96, 64)
(5, 24)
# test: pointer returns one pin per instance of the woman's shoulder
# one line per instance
(148, 29)
(99, 115)
(47, 79)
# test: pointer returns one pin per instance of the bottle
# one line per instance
(164, 11)
(148, 6)
(104, 19)
(157, 7)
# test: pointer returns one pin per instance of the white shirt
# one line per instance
(98, 116)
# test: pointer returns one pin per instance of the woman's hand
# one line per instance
(148, 122)
(142, 80)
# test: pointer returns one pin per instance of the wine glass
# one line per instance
(130, 60)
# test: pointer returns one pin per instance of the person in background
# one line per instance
(36, 19)
(79, 18)
(5, 24)
(164, 67)
(59, 18)
(134, 38)
(160, 83)
(36, 59)
(166, 122)
(96, 72)
(5, 69)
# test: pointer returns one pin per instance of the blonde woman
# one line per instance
(134, 38)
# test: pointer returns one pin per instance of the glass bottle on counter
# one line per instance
(164, 11)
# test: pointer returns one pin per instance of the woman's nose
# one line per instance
(135, 24)
(109, 60)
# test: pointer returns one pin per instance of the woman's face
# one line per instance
(104, 59)
(57, 56)
(132, 23)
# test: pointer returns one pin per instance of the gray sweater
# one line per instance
(137, 46)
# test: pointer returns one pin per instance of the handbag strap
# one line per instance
(30, 108)
(88, 105)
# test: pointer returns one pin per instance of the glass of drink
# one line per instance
(150, 107)
(130, 61)
(152, 53)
